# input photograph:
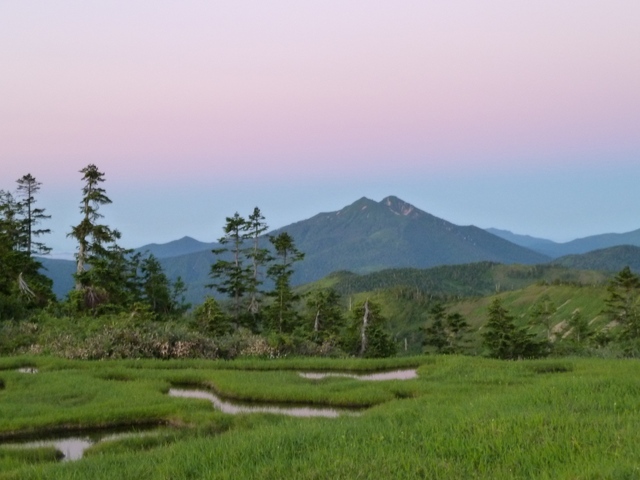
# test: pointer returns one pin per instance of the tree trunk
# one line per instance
(363, 330)
(80, 264)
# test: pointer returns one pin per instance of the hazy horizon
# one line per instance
(514, 115)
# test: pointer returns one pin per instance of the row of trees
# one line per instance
(108, 278)
(255, 277)
(503, 337)
(242, 265)
(22, 286)
(252, 273)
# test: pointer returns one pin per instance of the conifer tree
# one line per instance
(28, 187)
(623, 303)
(210, 319)
(22, 285)
(504, 339)
(366, 334)
(230, 273)
(157, 290)
(447, 331)
(258, 257)
(326, 314)
(112, 276)
(542, 314)
(436, 335)
(580, 330)
(92, 237)
(155, 285)
(11, 259)
(282, 316)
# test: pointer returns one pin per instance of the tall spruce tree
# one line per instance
(32, 216)
(281, 315)
(258, 257)
(22, 285)
(91, 236)
(10, 258)
(230, 273)
(111, 278)
(10, 221)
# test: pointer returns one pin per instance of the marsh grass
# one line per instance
(67, 400)
(551, 366)
(461, 418)
(289, 387)
(13, 458)
(137, 442)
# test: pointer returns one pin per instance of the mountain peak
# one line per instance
(359, 205)
(400, 207)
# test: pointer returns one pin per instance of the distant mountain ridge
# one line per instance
(577, 246)
(534, 243)
(175, 248)
(364, 237)
(367, 236)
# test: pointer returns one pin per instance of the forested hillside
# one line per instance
(612, 259)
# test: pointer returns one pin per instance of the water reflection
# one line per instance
(237, 407)
(28, 370)
(373, 377)
(73, 448)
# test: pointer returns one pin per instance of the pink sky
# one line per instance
(192, 91)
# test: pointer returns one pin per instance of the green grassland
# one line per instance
(462, 417)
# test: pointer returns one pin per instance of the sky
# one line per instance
(511, 114)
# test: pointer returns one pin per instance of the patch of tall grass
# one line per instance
(14, 458)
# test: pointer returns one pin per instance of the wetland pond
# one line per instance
(236, 407)
(370, 377)
(74, 446)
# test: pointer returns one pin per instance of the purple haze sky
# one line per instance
(513, 114)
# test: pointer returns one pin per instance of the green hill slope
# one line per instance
(457, 281)
(406, 295)
(611, 259)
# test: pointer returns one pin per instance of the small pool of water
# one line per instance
(372, 377)
(73, 447)
(235, 408)
(28, 370)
